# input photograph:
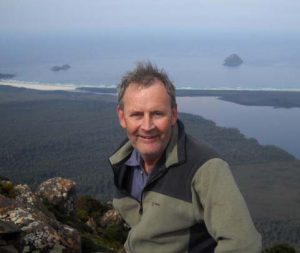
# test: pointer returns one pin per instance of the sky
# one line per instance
(36, 16)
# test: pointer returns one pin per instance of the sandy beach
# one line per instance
(37, 85)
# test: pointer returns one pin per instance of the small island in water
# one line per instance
(59, 68)
(6, 76)
(233, 60)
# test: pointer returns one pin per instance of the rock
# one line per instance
(59, 193)
(111, 217)
(10, 237)
(41, 231)
(91, 223)
(41, 236)
(233, 60)
(6, 76)
(8, 228)
(59, 68)
(36, 221)
(25, 195)
(6, 204)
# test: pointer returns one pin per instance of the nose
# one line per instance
(147, 123)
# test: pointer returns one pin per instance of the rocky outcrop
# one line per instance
(111, 217)
(60, 194)
(10, 237)
(6, 76)
(54, 219)
(233, 60)
(39, 228)
(59, 68)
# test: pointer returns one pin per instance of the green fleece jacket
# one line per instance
(190, 204)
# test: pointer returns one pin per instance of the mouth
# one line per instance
(148, 138)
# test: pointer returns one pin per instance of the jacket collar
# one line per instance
(175, 151)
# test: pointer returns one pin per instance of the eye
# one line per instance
(158, 113)
(136, 114)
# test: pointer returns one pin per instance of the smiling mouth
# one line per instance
(148, 138)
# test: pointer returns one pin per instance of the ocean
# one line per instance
(193, 59)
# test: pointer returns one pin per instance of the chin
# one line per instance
(148, 150)
(150, 154)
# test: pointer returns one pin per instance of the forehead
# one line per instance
(140, 89)
(155, 92)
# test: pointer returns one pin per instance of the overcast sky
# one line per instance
(79, 15)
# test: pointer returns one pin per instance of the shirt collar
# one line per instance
(134, 159)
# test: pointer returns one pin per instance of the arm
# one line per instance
(218, 200)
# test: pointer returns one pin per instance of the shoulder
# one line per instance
(198, 151)
(214, 176)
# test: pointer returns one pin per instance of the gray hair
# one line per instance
(144, 75)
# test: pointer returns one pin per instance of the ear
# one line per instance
(174, 115)
(121, 117)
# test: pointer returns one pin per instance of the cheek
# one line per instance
(165, 127)
(131, 127)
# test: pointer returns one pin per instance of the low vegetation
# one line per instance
(280, 248)
(48, 134)
(7, 188)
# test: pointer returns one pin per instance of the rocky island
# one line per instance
(6, 76)
(59, 68)
(233, 60)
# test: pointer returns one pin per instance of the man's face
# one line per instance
(148, 118)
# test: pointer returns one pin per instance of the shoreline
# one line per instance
(188, 90)
(272, 97)
(38, 86)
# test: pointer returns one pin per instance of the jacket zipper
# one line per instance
(156, 177)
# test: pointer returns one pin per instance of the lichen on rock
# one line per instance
(54, 220)
(41, 232)
(59, 193)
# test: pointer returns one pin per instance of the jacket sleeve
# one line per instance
(219, 202)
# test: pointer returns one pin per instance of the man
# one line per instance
(175, 192)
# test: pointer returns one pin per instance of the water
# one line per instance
(268, 125)
(192, 59)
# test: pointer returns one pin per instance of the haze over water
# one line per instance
(193, 59)
(189, 39)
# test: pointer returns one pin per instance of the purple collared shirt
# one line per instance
(140, 177)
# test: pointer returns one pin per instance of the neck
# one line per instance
(148, 166)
